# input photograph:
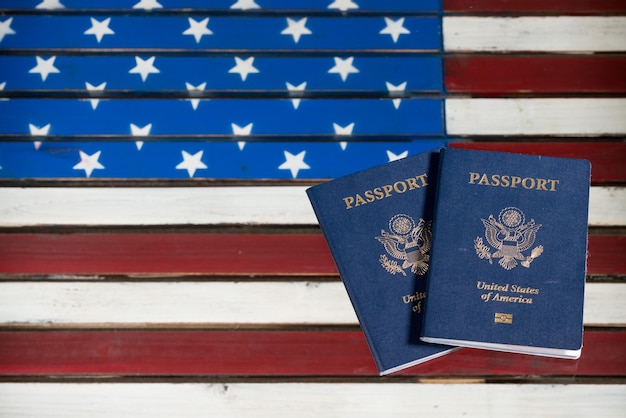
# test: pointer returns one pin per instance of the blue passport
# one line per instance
(509, 253)
(377, 224)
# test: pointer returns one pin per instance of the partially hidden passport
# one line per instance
(377, 224)
(509, 252)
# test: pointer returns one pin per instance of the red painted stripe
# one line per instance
(230, 254)
(211, 254)
(535, 6)
(607, 158)
(269, 353)
(502, 75)
(610, 260)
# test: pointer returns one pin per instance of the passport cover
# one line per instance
(509, 253)
(377, 224)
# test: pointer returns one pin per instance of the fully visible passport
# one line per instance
(377, 224)
(509, 253)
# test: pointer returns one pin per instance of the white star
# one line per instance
(137, 131)
(36, 131)
(191, 163)
(147, 5)
(44, 67)
(144, 67)
(294, 163)
(245, 5)
(394, 28)
(191, 87)
(5, 28)
(198, 29)
(393, 157)
(99, 29)
(90, 87)
(291, 87)
(296, 28)
(343, 68)
(394, 89)
(89, 163)
(244, 67)
(242, 131)
(50, 4)
(239, 131)
(343, 5)
(343, 130)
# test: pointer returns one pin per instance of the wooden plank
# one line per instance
(166, 254)
(537, 75)
(548, 34)
(575, 117)
(219, 34)
(169, 254)
(270, 353)
(607, 158)
(268, 205)
(397, 6)
(480, 74)
(360, 400)
(238, 157)
(210, 74)
(535, 6)
(261, 159)
(227, 5)
(73, 117)
(144, 206)
(216, 304)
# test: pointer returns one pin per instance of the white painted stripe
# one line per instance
(607, 206)
(536, 116)
(214, 303)
(553, 34)
(286, 205)
(358, 400)
(155, 205)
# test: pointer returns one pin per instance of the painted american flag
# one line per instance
(271, 89)
(180, 295)
(150, 91)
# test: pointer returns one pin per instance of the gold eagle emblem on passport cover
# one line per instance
(407, 242)
(510, 236)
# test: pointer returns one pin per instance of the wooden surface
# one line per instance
(208, 304)
(137, 286)
(212, 254)
(257, 205)
(262, 353)
(311, 399)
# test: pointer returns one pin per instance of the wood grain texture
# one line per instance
(233, 33)
(357, 400)
(217, 304)
(231, 324)
(535, 6)
(271, 117)
(524, 117)
(606, 158)
(232, 6)
(535, 74)
(547, 34)
(420, 72)
(268, 205)
(270, 353)
(194, 254)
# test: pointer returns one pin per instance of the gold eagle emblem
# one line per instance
(510, 236)
(407, 242)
